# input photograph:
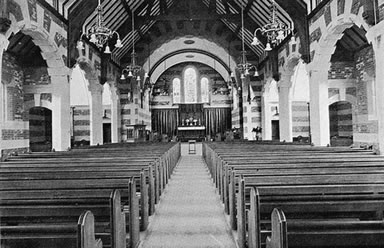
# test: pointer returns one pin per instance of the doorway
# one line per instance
(107, 133)
(40, 129)
(275, 130)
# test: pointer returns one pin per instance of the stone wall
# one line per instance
(300, 119)
(365, 129)
(81, 124)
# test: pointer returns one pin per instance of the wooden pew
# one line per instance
(52, 222)
(32, 183)
(282, 163)
(80, 235)
(365, 205)
(325, 233)
(317, 201)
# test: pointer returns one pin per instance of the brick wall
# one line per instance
(81, 123)
(36, 76)
(300, 119)
(340, 118)
(364, 129)
(342, 70)
(13, 78)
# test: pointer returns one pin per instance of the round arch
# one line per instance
(331, 34)
(182, 57)
(216, 51)
(55, 56)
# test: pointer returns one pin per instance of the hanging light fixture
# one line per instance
(244, 67)
(100, 34)
(132, 70)
(275, 30)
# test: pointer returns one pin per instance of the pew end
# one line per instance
(279, 237)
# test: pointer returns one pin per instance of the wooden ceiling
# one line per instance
(174, 14)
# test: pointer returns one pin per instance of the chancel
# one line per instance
(191, 123)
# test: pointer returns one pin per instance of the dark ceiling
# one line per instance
(353, 40)
(27, 52)
(157, 20)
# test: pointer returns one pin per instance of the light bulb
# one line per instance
(118, 43)
(268, 47)
(255, 41)
(280, 35)
(107, 50)
(80, 45)
(93, 38)
(122, 77)
(130, 74)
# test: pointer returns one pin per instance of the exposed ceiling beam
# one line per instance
(213, 16)
(248, 7)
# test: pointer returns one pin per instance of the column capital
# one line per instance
(5, 24)
(374, 35)
(59, 71)
(94, 87)
(285, 83)
(3, 42)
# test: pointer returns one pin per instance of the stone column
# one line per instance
(285, 109)
(96, 112)
(266, 124)
(376, 36)
(3, 46)
(61, 111)
(115, 117)
(319, 111)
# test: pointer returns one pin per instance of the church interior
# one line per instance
(271, 108)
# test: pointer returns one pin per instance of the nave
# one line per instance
(229, 194)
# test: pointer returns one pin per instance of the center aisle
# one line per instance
(190, 213)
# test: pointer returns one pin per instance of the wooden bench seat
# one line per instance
(305, 182)
(357, 201)
(40, 190)
(323, 233)
(74, 235)
(20, 221)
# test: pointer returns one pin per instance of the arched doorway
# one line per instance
(270, 110)
(79, 100)
(107, 103)
(341, 123)
(40, 129)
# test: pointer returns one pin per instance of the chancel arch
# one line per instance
(191, 100)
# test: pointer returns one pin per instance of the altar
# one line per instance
(185, 133)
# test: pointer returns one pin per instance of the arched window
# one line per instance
(190, 85)
(176, 90)
(204, 90)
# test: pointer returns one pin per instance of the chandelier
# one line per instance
(133, 70)
(244, 67)
(275, 30)
(100, 34)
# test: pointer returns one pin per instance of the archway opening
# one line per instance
(80, 98)
(191, 101)
(351, 79)
(107, 103)
(40, 129)
(341, 123)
